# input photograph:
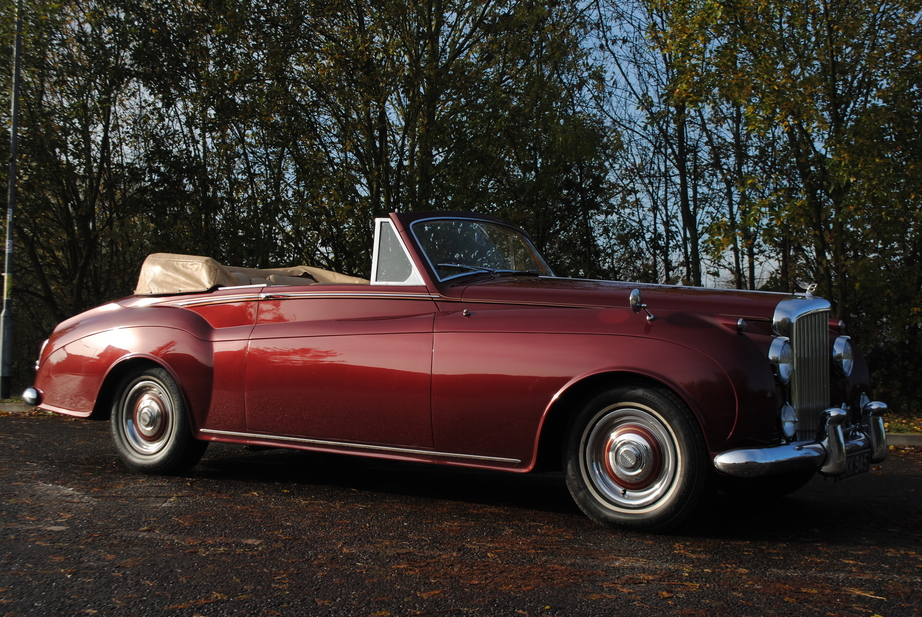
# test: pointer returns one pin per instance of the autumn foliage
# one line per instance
(760, 144)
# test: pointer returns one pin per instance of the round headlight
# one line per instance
(788, 421)
(844, 355)
(781, 355)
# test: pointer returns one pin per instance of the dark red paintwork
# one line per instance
(477, 371)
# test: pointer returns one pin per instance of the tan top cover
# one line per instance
(284, 275)
(170, 273)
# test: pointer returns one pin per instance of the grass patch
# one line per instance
(903, 423)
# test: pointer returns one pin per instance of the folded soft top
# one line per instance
(170, 273)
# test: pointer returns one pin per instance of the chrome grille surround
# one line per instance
(805, 321)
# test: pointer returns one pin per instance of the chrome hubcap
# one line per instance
(634, 456)
(150, 416)
(630, 457)
(147, 418)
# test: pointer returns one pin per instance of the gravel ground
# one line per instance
(291, 533)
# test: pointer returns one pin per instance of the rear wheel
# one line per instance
(150, 426)
(636, 458)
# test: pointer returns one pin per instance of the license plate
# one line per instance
(856, 464)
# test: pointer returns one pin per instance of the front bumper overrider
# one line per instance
(828, 454)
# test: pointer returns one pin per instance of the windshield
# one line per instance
(455, 247)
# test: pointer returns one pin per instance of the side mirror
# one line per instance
(638, 305)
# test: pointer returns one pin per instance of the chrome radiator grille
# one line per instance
(806, 323)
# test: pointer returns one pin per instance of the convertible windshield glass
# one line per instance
(457, 247)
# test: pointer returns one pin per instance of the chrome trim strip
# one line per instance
(252, 297)
(286, 295)
(267, 295)
(362, 446)
(473, 301)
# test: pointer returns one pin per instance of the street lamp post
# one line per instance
(6, 317)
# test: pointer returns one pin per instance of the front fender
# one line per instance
(698, 380)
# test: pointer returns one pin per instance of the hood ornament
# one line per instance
(810, 289)
(637, 304)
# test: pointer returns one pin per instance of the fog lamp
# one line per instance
(788, 421)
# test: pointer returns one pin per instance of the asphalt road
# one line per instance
(291, 533)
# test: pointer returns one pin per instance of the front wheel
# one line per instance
(636, 458)
(150, 426)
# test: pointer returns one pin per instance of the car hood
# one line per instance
(611, 294)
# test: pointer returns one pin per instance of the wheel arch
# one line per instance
(561, 413)
(150, 423)
(105, 398)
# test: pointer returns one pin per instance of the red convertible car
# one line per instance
(464, 348)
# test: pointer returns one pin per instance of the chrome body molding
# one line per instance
(210, 301)
(322, 443)
(262, 294)
(828, 454)
(285, 295)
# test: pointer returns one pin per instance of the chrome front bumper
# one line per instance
(827, 455)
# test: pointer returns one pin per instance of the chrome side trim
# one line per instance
(282, 295)
(571, 305)
(332, 295)
(271, 295)
(250, 297)
(363, 446)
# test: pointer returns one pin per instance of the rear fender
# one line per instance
(79, 378)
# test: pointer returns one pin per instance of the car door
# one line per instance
(342, 362)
